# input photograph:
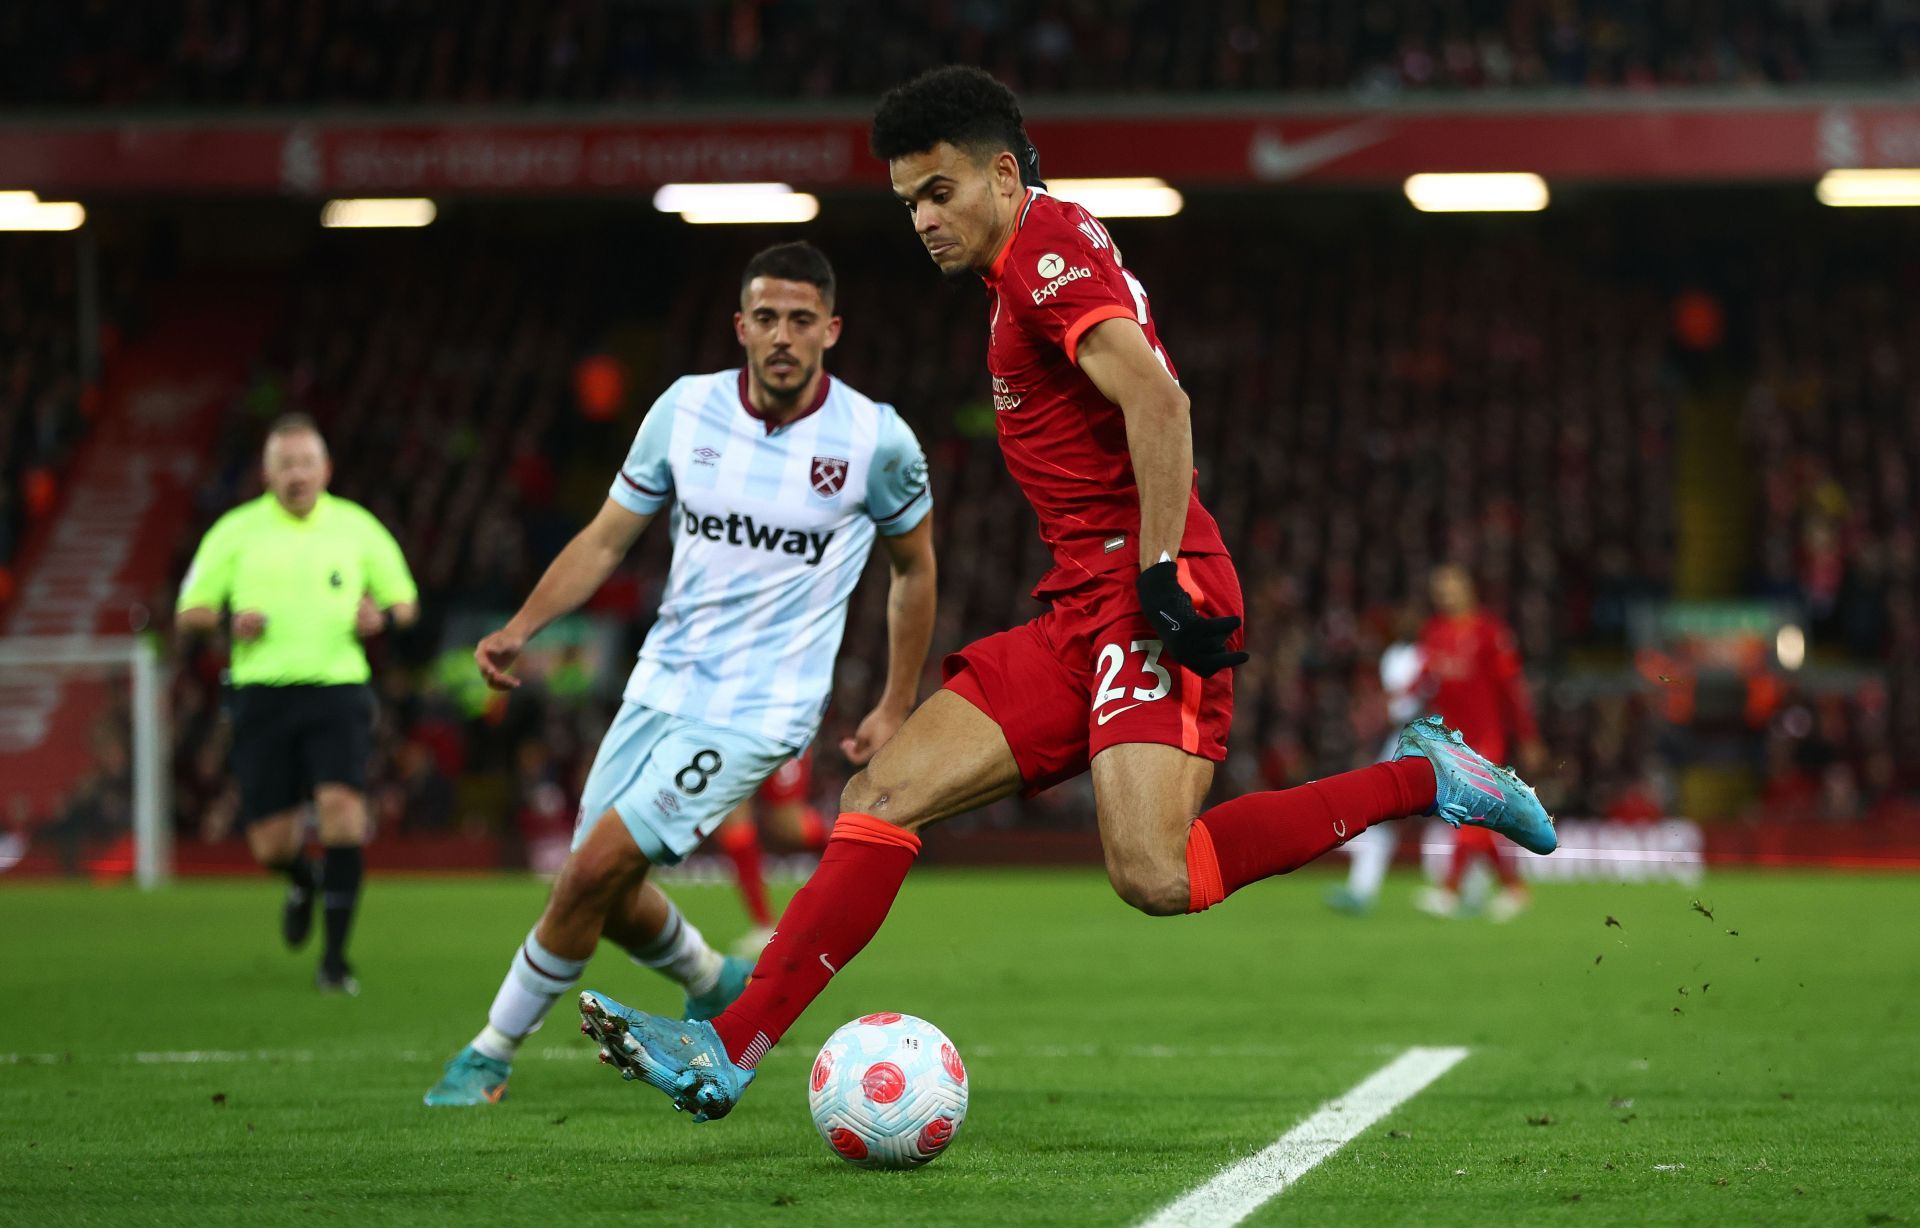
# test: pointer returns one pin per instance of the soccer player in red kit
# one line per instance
(1127, 671)
(1472, 678)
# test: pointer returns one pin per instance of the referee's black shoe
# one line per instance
(338, 980)
(296, 916)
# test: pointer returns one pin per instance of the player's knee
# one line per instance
(342, 814)
(604, 865)
(869, 794)
(275, 841)
(1156, 891)
(588, 883)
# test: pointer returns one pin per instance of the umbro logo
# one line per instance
(705, 456)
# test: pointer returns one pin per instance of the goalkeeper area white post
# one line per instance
(33, 673)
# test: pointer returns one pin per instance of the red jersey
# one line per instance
(1064, 443)
(1474, 682)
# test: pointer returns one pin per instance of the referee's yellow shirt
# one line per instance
(306, 576)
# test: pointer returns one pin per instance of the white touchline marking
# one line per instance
(1241, 1189)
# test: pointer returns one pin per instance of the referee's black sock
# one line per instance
(340, 894)
(299, 872)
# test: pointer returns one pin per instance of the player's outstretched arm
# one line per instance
(910, 611)
(1116, 357)
(574, 575)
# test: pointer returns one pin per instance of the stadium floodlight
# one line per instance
(1885, 187)
(26, 211)
(1137, 197)
(797, 207)
(736, 203)
(377, 213)
(1488, 192)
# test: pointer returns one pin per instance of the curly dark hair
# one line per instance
(800, 261)
(960, 105)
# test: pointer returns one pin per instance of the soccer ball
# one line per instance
(888, 1091)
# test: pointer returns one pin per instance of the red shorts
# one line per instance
(792, 781)
(1088, 674)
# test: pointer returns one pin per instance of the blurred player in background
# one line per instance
(1471, 675)
(1126, 674)
(306, 576)
(784, 807)
(780, 478)
(1371, 852)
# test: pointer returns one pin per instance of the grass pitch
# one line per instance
(1753, 1067)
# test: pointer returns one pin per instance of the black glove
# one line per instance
(1198, 643)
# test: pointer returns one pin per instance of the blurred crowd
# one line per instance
(42, 410)
(1371, 398)
(1831, 420)
(188, 53)
(1340, 389)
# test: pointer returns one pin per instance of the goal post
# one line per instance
(42, 676)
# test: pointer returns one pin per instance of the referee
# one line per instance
(306, 576)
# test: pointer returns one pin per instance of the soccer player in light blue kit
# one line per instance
(779, 479)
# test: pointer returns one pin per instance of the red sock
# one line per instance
(1501, 851)
(829, 921)
(1263, 834)
(1469, 843)
(741, 843)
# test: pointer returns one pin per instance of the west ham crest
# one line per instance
(829, 475)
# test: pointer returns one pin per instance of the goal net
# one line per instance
(84, 758)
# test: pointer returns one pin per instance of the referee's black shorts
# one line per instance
(288, 739)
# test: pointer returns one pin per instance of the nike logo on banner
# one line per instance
(1107, 716)
(1270, 157)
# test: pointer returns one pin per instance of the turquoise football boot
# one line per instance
(471, 1077)
(1468, 788)
(1342, 899)
(683, 1058)
(734, 972)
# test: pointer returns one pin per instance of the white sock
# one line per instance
(681, 953)
(1372, 852)
(534, 981)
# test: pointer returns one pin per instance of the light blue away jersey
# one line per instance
(771, 530)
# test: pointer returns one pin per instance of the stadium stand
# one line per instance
(1473, 341)
(40, 397)
(1832, 427)
(212, 53)
(1331, 362)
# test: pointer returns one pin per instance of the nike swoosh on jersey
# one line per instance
(1107, 716)
(1270, 157)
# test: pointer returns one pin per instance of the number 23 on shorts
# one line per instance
(1115, 668)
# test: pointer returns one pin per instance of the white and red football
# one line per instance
(888, 1091)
